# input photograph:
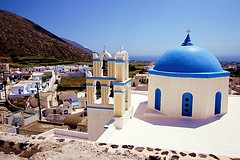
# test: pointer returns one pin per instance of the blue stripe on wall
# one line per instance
(99, 108)
(110, 60)
(190, 75)
(104, 78)
(121, 83)
(120, 61)
(119, 91)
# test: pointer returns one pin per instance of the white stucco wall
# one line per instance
(97, 119)
(16, 88)
(202, 89)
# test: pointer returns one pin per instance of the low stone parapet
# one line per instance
(47, 147)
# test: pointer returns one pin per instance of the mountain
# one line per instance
(20, 37)
(75, 44)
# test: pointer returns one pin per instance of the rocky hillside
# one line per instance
(75, 44)
(20, 37)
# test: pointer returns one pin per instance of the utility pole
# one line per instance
(39, 108)
(5, 83)
(5, 91)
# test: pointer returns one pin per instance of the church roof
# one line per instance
(188, 59)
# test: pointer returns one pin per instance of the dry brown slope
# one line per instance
(21, 37)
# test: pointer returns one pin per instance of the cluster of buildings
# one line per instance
(38, 86)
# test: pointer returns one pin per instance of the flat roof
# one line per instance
(22, 83)
(37, 73)
(68, 93)
(219, 135)
(43, 126)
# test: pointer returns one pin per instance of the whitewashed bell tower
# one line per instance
(108, 92)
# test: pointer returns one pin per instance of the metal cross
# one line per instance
(121, 48)
(188, 31)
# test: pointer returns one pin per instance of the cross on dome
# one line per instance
(104, 48)
(121, 48)
(187, 41)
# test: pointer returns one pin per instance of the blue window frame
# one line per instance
(218, 99)
(187, 100)
(158, 99)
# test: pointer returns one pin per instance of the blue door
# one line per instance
(158, 99)
(19, 91)
(218, 98)
(187, 100)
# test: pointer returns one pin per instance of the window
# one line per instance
(187, 99)
(158, 99)
(105, 66)
(98, 93)
(218, 98)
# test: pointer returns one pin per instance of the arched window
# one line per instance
(158, 99)
(104, 66)
(98, 93)
(187, 100)
(126, 97)
(218, 98)
(111, 94)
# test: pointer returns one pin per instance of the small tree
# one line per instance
(44, 79)
(132, 68)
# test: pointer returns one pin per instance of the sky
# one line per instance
(142, 27)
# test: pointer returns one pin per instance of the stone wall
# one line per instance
(41, 147)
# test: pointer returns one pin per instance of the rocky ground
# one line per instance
(22, 147)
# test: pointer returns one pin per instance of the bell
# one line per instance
(111, 94)
(98, 92)
(111, 91)
(104, 65)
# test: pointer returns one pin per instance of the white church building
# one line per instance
(188, 81)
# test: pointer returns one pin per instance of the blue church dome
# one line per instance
(188, 59)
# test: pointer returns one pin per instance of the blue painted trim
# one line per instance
(121, 83)
(119, 91)
(158, 99)
(218, 99)
(104, 85)
(110, 122)
(119, 61)
(110, 60)
(190, 75)
(187, 104)
(104, 78)
(99, 108)
(89, 84)
(96, 59)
